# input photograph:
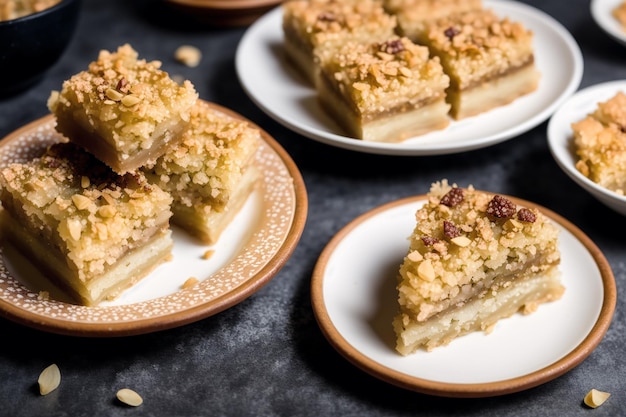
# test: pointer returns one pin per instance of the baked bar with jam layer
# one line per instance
(490, 60)
(474, 258)
(210, 173)
(124, 110)
(384, 91)
(92, 231)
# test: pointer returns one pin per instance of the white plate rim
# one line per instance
(281, 223)
(560, 135)
(263, 74)
(601, 12)
(353, 350)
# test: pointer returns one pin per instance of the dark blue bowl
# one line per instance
(30, 45)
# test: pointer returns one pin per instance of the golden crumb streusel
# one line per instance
(467, 243)
(412, 14)
(478, 45)
(13, 9)
(86, 211)
(324, 22)
(128, 103)
(383, 76)
(206, 166)
(600, 144)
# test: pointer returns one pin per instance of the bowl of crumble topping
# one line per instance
(33, 36)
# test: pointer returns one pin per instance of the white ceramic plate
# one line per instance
(251, 250)
(601, 11)
(280, 92)
(560, 138)
(354, 300)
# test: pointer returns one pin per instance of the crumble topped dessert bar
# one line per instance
(413, 14)
(490, 60)
(91, 230)
(124, 110)
(600, 144)
(384, 91)
(474, 258)
(209, 173)
(312, 24)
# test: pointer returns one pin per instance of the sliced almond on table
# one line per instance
(595, 398)
(49, 379)
(129, 397)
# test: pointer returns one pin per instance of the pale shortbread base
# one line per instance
(389, 126)
(208, 225)
(493, 93)
(127, 271)
(478, 313)
(166, 135)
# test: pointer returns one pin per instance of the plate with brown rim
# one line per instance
(249, 253)
(354, 300)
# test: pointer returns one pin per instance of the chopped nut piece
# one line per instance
(80, 201)
(114, 94)
(426, 271)
(190, 282)
(49, 379)
(129, 397)
(595, 398)
(454, 197)
(450, 230)
(415, 256)
(208, 254)
(526, 215)
(188, 55)
(130, 100)
(462, 241)
(429, 241)
(501, 207)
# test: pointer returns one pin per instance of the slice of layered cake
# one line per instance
(311, 24)
(600, 144)
(474, 258)
(124, 110)
(210, 173)
(92, 231)
(383, 91)
(490, 60)
(412, 15)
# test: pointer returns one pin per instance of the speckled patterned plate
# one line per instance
(354, 299)
(248, 254)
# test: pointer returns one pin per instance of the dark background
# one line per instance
(266, 356)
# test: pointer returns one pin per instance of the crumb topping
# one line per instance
(478, 44)
(123, 98)
(90, 213)
(207, 165)
(382, 75)
(466, 248)
(325, 22)
(600, 144)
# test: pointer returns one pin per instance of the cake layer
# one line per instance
(467, 247)
(386, 91)
(124, 110)
(495, 92)
(479, 313)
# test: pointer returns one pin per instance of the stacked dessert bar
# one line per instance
(388, 70)
(138, 151)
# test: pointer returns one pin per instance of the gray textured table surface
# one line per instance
(266, 356)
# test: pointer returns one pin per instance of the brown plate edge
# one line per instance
(217, 305)
(424, 386)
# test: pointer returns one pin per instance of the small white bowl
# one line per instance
(602, 13)
(560, 138)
